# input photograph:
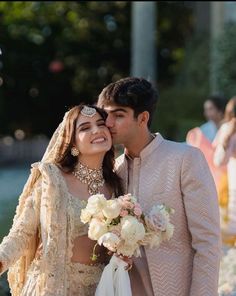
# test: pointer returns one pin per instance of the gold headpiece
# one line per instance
(88, 111)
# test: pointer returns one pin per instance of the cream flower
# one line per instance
(156, 222)
(96, 203)
(158, 218)
(96, 229)
(131, 229)
(110, 241)
(126, 249)
(155, 240)
(112, 209)
(85, 216)
(169, 232)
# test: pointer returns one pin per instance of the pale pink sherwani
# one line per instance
(177, 175)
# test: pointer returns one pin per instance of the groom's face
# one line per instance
(122, 124)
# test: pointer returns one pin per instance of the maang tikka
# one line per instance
(88, 111)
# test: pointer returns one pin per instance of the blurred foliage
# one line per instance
(181, 105)
(175, 27)
(179, 110)
(57, 54)
(226, 60)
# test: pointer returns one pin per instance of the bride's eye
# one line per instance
(85, 128)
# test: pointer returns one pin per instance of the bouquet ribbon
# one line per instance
(115, 279)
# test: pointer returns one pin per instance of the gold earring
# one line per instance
(74, 151)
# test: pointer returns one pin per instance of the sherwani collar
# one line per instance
(122, 161)
(150, 148)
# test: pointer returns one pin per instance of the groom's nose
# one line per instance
(109, 120)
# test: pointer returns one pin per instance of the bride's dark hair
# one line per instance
(67, 162)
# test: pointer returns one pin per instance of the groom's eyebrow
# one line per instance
(117, 110)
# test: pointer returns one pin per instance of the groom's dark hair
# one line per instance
(136, 93)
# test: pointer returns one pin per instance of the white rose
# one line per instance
(112, 209)
(166, 235)
(110, 241)
(96, 203)
(155, 240)
(96, 229)
(126, 249)
(131, 229)
(156, 221)
(85, 216)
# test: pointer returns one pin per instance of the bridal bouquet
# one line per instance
(121, 226)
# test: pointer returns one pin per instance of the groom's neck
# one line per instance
(134, 147)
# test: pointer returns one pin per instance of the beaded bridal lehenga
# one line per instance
(82, 279)
(38, 249)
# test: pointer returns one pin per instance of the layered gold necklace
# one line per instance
(92, 177)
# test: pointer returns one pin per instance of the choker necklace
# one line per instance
(92, 177)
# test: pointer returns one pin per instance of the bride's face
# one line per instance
(91, 135)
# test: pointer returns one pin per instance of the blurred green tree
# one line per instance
(57, 54)
(181, 104)
(226, 62)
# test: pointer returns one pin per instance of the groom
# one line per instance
(161, 171)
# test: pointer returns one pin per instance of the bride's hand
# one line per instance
(128, 260)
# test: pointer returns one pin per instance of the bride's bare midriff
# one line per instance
(83, 249)
(83, 246)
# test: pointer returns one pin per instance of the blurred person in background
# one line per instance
(225, 155)
(48, 250)
(214, 108)
(203, 136)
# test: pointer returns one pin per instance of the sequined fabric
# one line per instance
(82, 281)
(54, 213)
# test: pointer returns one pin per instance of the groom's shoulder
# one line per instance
(178, 148)
(174, 145)
(166, 148)
(163, 143)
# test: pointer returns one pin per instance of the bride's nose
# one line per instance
(95, 129)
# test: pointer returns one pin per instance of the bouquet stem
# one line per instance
(94, 257)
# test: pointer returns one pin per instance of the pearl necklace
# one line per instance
(92, 177)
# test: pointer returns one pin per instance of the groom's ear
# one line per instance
(143, 118)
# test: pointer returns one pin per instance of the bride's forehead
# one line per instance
(83, 118)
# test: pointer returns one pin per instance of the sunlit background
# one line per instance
(57, 54)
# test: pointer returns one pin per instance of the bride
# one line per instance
(47, 250)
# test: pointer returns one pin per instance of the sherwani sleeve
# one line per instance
(25, 226)
(202, 211)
